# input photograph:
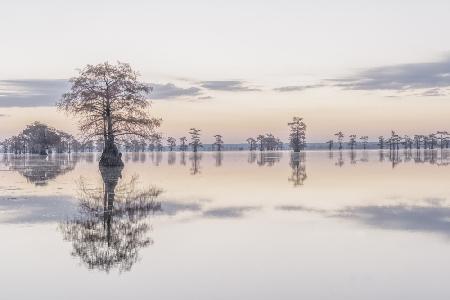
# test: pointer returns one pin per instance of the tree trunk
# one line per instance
(111, 157)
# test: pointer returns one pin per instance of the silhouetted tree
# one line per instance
(218, 142)
(381, 142)
(330, 144)
(111, 103)
(171, 143)
(364, 140)
(183, 146)
(252, 143)
(340, 137)
(195, 139)
(352, 141)
(297, 135)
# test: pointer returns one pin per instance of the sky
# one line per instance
(238, 68)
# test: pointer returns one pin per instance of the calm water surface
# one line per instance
(232, 225)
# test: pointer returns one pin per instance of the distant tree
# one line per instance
(171, 143)
(441, 136)
(195, 139)
(340, 137)
(157, 141)
(364, 140)
(218, 142)
(417, 141)
(381, 142)
(252, 143)
(330, 144)
(183, 145)
(260, 139)
(352, 141)
(297, 135)
(111, 103)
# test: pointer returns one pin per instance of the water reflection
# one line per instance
(112, 225)
(171, 158)
(40, 170)
(433, 218)
(298, 168)
(268, 158)
(195, 159)
(218, 156)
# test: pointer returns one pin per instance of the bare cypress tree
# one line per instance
(364, 140)
(330, 144)
(340, 137)
(183, 146)
(171, 143)
(195, 139)
(252, 143)
(260, 139)
(381, 142)
(297, 135)
(352, 141)
(111, 103)
(441, 136)
(219, 142)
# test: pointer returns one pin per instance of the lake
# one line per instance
(231, 225)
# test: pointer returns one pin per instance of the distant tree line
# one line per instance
(394, 142)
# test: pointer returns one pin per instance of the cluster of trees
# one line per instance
(265, 142)
(440, 139)
(39, 138)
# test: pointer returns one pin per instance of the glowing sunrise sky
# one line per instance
(238, 68)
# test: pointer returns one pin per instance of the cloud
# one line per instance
(228, 85)
(299, 208)
(36, 209)
(46, 92)
(171, 91)
(403, 77)
(402, 217)
(297, 88)
(31, 92)
(229, 212)
(173, 208)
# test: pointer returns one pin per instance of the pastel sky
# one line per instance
(238, 68)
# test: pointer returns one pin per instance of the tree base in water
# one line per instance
(111, 157)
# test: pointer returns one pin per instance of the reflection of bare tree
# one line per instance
(251, 157)
(183, 158)
(219, 158)
(195, 159)
(352, 156)
(340, 161)
(297, 163)
(171, 158)
(112, 224)
(41, 169)
(268, 158)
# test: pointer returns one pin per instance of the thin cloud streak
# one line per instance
(228, 85)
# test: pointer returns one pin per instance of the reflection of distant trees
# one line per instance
(41, 169)
(218, 156)
(251, 157)
(298, 167)
(195, 159)
(183, 158)
(171, 158)
(112, 224)
(439, 157)
(268, 158)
